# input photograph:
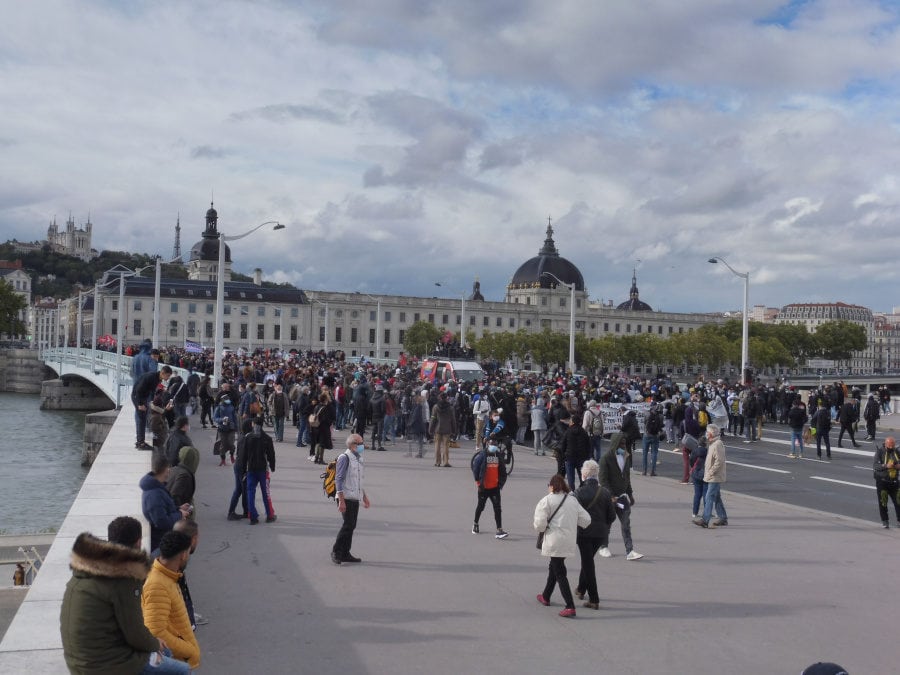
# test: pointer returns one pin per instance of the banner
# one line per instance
(192, 347)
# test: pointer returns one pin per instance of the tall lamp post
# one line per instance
(156, 295)
(745, 318)
(571, 287)
(462, 317)
(220, 295)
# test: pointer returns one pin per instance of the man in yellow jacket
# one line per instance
(165, 614)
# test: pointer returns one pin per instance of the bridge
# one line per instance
(108, 372)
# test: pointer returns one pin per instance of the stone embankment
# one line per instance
(21, 372)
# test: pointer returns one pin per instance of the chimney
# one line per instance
(257, 277)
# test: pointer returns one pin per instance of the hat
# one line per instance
(823, 668)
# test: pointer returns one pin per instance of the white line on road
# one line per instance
(834, 448)
(843, 482)
(753, 466)
(807, 459)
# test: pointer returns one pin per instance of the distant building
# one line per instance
(18, 280)
(72, 241)
(763, 314)
(204, 261)
(886, 345)
(812, 315)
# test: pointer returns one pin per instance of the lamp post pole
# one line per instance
(571, 288)
(94, 327)
(745, 319)
(219, 343)
(156, 299)
(80, 318)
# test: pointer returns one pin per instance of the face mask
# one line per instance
(620, 452)
(495, 419)
(360, 448)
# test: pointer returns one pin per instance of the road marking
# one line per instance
(864, 468)
(808, 459)
(754, 466)
(843, 482)
(834, 448)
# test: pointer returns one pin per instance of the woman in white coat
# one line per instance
(559, 518)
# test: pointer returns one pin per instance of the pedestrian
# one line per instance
(101, 621)
(822, 423)
(523, 417)
(797, 418)
(575, 448)
(615, 476)
(697, 461)
(325, 415)
(157, 504)
(415, 426)
(887, 481)
(182, 481)
(600, 505)
(279, 404)
(240, 477)
(848, 416)
(177, 440)
(489, 471)
(481, 410)
(714, 477)
(559, 518)
(204, 393)
(165, 613)
(592, 423)
(652, 426)
(538, 424)
(349, 481)
(225, 418)
(142, 393)
(377, 412)
(260, 457)
(630, 429)
(159, 427)
(871, 414)
(443, 428)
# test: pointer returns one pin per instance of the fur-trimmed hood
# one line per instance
(100, 558)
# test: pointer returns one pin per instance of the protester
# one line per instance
(713, 477)
(240, 477)
(615, 476)
(489, 471)
(157, 504)
(887, 479)
(600, 505)
(349, 479)
(260, 456)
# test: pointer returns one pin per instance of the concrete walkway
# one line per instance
(778, 589)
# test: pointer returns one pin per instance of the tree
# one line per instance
(838, 340)
(421, 338)
(11, 303)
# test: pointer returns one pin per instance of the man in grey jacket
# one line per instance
(713, 477)
(349, 473)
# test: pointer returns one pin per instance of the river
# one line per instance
(40, 456)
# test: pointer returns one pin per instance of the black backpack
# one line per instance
(654, 423)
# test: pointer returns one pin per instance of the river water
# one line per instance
(40, 464)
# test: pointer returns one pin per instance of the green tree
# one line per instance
(11, 303)
(421, 338)
(838, 340)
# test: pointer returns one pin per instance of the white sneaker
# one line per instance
(605, 553)
(634, 555)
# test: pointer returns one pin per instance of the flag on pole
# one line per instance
(192, 347)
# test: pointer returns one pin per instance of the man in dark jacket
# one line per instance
(822, 422)
(182, 482)
(177, 440)
(575, 448)
(489, 471)
(141, 394)
(796, 418)
(260, 456)
(848, 416)
(377, 409)
(615, 476)
(443, 428)
(871, 415)
(101, 622)
(599, 503)
(157, 504)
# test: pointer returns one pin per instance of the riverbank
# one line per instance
(21, 372)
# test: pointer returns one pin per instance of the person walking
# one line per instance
(713, 476)
(260, 457)
(887, 481)
(481, 410)
(416, 426)
(848, 416)
(822, 422)
(177, 440)
(182, 481)
(559, 518)
(240, 478)
(157, 504)
(279, 404)
(697, 461)
(615, 476)
(600, 505)
(443, 428)
(489, 471)
(349, 481)
(538, 424)
(575, 448)
(225, 418)
(650, 443)
(592, 423)
(871, 414)
(377, 412)
(797, 418)
(204, 393)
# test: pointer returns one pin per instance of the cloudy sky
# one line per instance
(405, 142)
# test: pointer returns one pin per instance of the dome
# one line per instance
(208, 249)
(531, 273)
(634, 302)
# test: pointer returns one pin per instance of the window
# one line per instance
(192, 308)
(578, 303)
(638, 328)
(387, 316)
(293, 333)
(295, 312)
(245, 309)
(416, 317)
(431, 318)
(606, 327)
(208, 330)
(321, 333)
(226, 331)
(527, 300)
(173, 328)
(260, 331)
(136, 331)
(680, 329)
(354, 314)
(627, 327)
(472, 320)
(226, 310)
(617, 328)
(670, 330)
(485, 321)
(115, 307)
(512, 322)
(659, 330)
(402, 317)
(401, 336)
(338, 333)
(499, 322)
(387, 336)
(192, 329)
(339, 313)
(444, 319)
(277, 311)
(458, 319)
(210, 308)
(372, 315)
(244, 332)
(137, 304)
(562, 301)
(544, 300)
(354, 334)
(173, 307)
(261, 310)
(371, 336)
(115, 326)
(649, 329)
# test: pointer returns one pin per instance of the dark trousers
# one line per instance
(240, 491)
(140, 423)
(587, 578)
(494, 495)
(345, 536)
(887, 492)
(206, 412)
(849, 429)
(823, 436)
(624, 517)
(186, 595)
(557, 575)
(870, 428)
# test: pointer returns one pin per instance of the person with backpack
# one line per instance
(349, 480)
(652, 426)
(489, 471)
(593, 424)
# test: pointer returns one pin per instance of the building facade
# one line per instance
(19, 282)
(812, 315)
(73, 240)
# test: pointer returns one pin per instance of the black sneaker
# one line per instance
(351, 559)
(234, 516)
(474, 528)
(501, 534)
(271, 519)
(334, 558)
(254, 521)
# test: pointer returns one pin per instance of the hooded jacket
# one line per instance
(166, 616)
(443, 418)
(158, 507)
(101, 622)
(182, 482)
(617, 481)
(174, 443)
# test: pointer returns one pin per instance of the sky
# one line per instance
(408, 142)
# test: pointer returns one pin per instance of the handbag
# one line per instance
(313, 420)
(540, 537)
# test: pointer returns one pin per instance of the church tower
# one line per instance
(204, 260)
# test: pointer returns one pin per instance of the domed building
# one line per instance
(634, 302)
(545, 276)
(204, 260)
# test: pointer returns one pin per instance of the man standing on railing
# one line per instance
(141, 393)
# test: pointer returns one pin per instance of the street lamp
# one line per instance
(745, 340)
(462, 317)
(571, 288)
(220, 296)
(377, 323)
(156, 295)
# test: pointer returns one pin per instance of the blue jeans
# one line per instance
(168, 666)
(570, 474)
(339, 416)
(279, 428)
(750, 429)
(699, 489)
(140, 424)
(303, 431)
(712, 496)
(651, 444)
(239, 491)
(597, 447)
(255, 478)
(796, 439)
(389, 428)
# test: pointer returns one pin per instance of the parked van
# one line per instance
(445, 371)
